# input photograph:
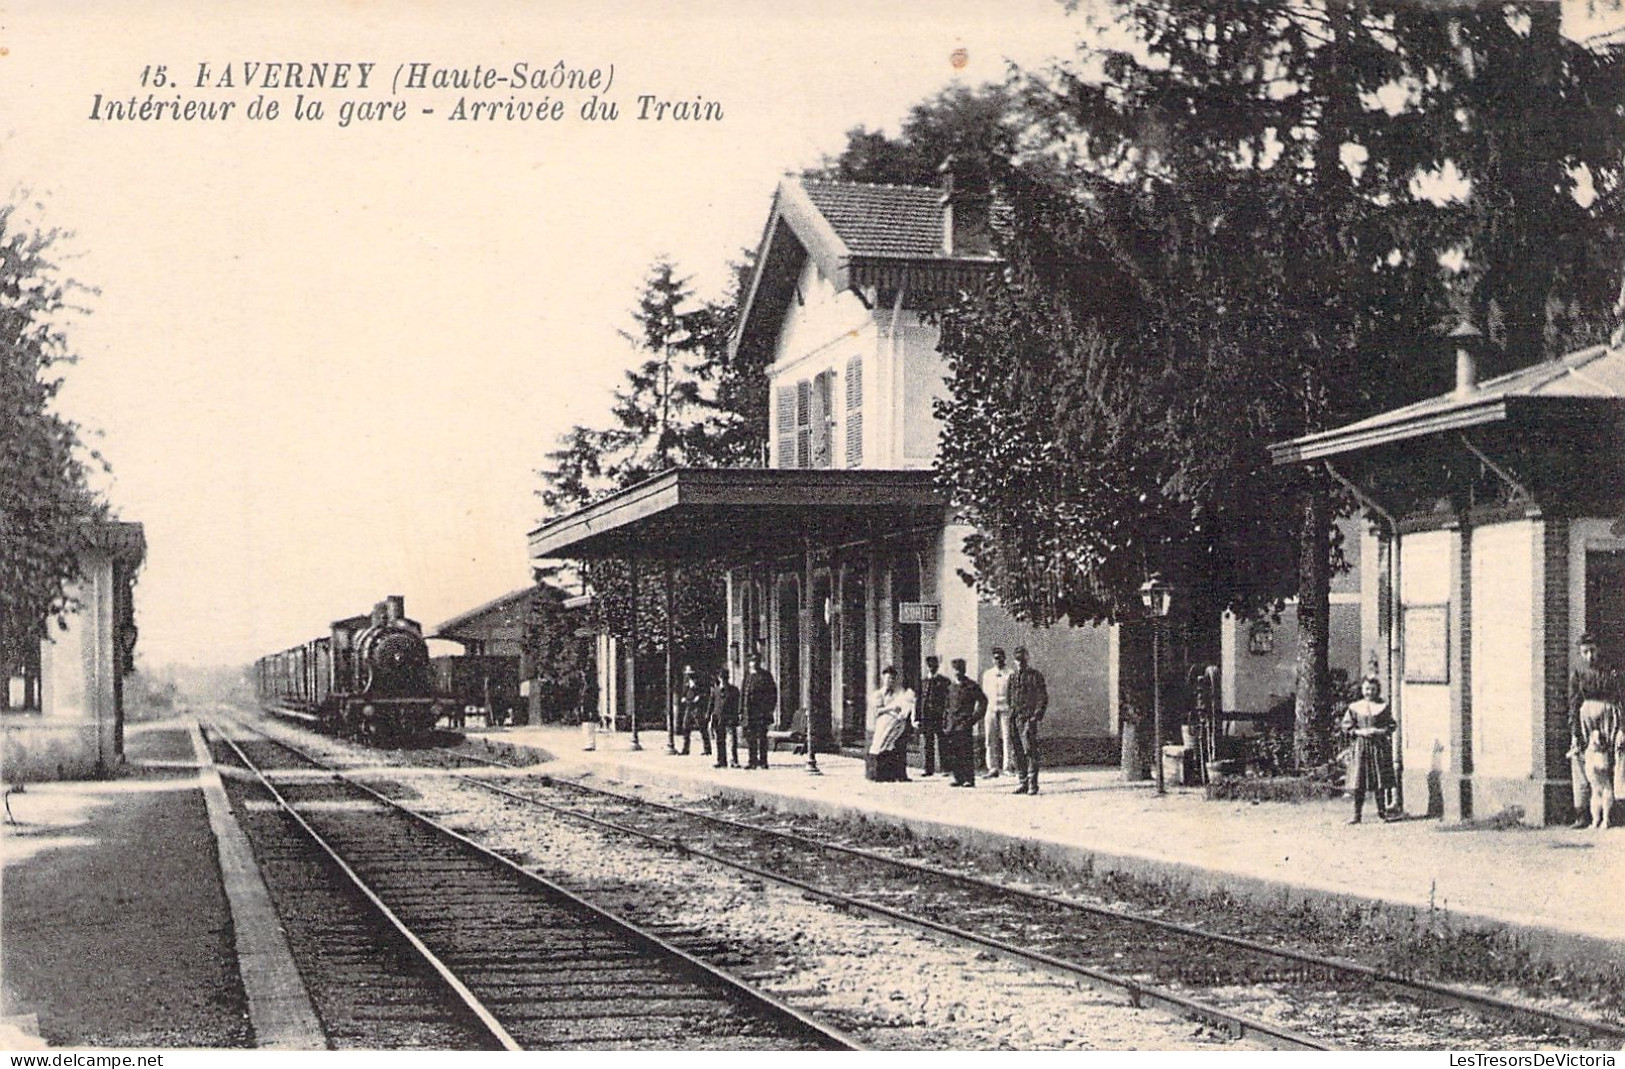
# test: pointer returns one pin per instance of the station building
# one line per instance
(63, 714)
(843, 555)
(1501, 540)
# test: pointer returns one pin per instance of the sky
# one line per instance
(325, 360)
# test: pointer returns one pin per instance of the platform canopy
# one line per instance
(737, 513)
(1549, 436)
(121, 540)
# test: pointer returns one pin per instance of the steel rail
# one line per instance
(1139, 994)
(834, 1038)
(1489, 1007)
(467, 997)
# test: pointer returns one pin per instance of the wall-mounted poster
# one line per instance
(1427, 643)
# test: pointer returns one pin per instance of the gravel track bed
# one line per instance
(1374, 1020)
(891, 988)
(1299, 997)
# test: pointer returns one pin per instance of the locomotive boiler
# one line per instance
(369, 677)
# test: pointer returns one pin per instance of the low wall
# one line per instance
(34, 748)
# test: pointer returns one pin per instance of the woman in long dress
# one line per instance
(1370, 727)
(892, 714)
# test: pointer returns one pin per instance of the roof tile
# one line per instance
(881, 220)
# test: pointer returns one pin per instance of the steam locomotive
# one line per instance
(369, 678)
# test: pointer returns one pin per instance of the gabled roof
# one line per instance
(1589, 378)
(507, 609)
(863, 236)
(876, 220)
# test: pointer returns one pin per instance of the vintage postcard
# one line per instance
(931, 526)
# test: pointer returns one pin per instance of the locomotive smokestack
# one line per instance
(395, 608)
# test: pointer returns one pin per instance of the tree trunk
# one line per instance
(1135, 701)
(1131, 757)
(1314, 625)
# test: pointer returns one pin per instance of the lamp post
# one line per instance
(1157, 594)
(812, 750)
(632, 659)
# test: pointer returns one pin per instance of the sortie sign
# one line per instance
(919, 612)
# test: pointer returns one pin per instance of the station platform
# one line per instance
(1543, 883)
(133, 915)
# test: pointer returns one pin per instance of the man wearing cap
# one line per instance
(1029, 701)
(996, 726)
(966, 707)
(759, 700)
(691, 712)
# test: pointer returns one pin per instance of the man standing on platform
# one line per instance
(759, 698)
(1029, 701)
(692, 707)
(966, 707)
(933, 704)
(725, 717)
(996, 727)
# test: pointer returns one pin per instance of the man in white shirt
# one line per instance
(996, 727)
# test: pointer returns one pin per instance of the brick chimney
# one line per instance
(1465, 339)
(967, 202)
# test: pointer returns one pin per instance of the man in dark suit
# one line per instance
(759, 699)
(1029, 701)
(967, 705)
(933, 704)
(725, 717)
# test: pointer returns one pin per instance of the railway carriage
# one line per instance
(369, 677)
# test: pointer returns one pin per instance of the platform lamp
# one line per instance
(1157, 594)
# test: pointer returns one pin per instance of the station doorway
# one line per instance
(789, 650)
(1605, 602)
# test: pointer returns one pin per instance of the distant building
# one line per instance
(64, 715)
(495, 657)
(496, 628)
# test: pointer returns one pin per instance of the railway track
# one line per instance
(486, 953)
(1316, 1002)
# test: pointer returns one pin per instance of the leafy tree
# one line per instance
(959, 121)
(45, 499)
(1243, 226)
